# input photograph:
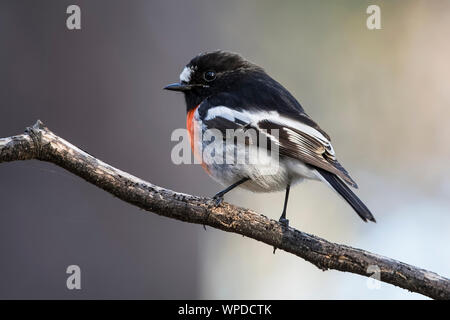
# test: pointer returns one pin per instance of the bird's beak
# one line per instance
(178, 87)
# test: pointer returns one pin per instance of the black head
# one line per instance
(210, 73)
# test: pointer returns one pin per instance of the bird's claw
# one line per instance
(284, 222)
(217, 200)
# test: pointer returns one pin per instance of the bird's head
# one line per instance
(211, 73)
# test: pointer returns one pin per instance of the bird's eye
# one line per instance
(209, 76)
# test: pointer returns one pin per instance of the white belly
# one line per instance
(267, 174)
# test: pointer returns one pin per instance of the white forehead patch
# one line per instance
(186, 74)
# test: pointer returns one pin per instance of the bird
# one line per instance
(224, 91)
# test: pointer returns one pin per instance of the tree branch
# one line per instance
(40, 143)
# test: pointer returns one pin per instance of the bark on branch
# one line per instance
(40, 143)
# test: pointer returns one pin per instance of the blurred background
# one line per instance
(383, 95)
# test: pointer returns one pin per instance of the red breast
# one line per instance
(190, 125)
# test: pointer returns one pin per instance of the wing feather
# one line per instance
(298, 139)
(308, 148)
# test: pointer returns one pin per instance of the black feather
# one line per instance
(347, 194)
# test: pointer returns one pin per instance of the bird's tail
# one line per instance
(340, 187)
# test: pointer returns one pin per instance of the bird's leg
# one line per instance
(283, 219)
(218, 198)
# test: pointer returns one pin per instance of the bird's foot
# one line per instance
(284, 222)
(217, 200)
